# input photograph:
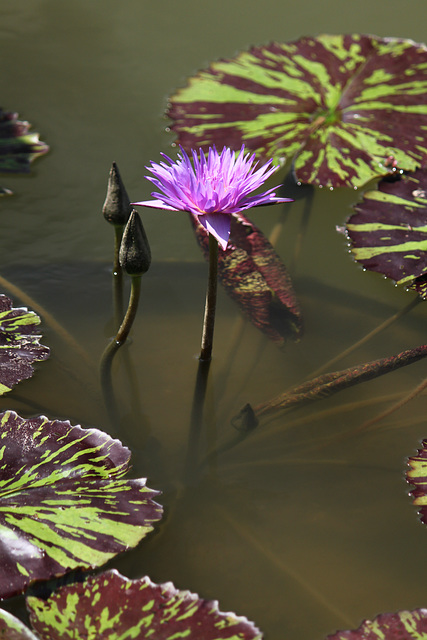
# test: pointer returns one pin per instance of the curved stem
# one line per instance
(117, 278)
(210, 303)
(127, 323)
(114, 346)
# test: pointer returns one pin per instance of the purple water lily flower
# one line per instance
(213, 189)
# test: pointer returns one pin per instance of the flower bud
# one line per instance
(116, 208)
(135, 254)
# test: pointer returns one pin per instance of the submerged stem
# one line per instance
(115, 344)
(196, 421)
(210, 303)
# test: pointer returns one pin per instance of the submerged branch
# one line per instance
(326, 385)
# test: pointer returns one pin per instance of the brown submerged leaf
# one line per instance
(255, 277)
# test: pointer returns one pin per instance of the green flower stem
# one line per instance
(199, 398)
(127, 323)
(115, 344)
(117, 278)
(210, 304)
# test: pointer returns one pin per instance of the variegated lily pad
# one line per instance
(18, 145)
(403, 625)
(63, 501)
(110, 606)
(19, 344)
(12, 628)
(348, 107)
(417, 476)
(388, 232)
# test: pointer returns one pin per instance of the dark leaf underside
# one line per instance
(256, 279)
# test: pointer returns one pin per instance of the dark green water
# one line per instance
(302, 533)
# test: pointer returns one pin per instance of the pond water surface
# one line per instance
(297, 528)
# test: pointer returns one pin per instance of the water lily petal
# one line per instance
(213, 187)
(218, 224)
(154, 204)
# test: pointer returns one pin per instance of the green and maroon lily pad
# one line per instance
(388, 232)
(11, 628)
(63, 501)
(348, 108)
(110, 606)
(19, 344)
(255, 277)
(417, 476)
(18, 145)
(402, 625)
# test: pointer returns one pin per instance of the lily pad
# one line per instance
(63, 501)
(417, 476)
(403, 625)
(13, 629)
(110, 606)
(255, 277)
(388, 232)
(18, 145)
(19, 344)
(348, 107)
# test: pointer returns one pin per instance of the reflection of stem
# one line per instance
(196, 420)
(264, 549)
(381, 327)
(117, 278)
(47, 318)
(114, 346)
(210, 304)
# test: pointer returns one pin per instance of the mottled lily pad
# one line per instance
(402, 625)
(388, 232)
(417, 476)
(19, 344)
(63, 501)
(110, 606)
(12, 628)
(348, 107)
(18, 145)
(255, 277)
